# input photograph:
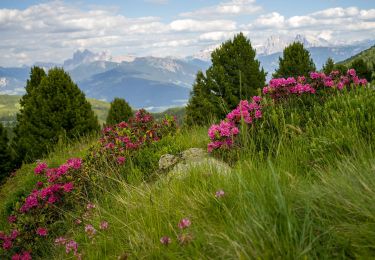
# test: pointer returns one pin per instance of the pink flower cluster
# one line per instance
(223, 135)
(70, 246)
(281, 88)
(183, 237)
(25, 255)
(6, 241)
(118, 141)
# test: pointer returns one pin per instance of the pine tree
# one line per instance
(5, 155)
(53, 109)
(235, 74)
(296, 61)
(119, 111)
(341, 68)
(329, 66)
(199, 110)
(363, 71)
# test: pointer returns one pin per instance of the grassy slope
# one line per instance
(9, 106)
(367, 55)
(312, 198)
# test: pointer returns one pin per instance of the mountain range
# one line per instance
(158, 83)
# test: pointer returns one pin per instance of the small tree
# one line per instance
(54, 108)
(119, 111)
(235, 74)
(5, 155)
(363, 71)
(329, 66)
(199, 110)
(341, 68)
(296, 61)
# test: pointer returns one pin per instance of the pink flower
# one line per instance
(122, 125)
(258, 114)
(78, 221)
(257, 99)
(68, 187)
(12, 218)
(7, 243)
(75, 163)
(120, 160)
(90, 230)
(184, 223)
(39, 184)
(14, 234)
(60, 241)
(42, 231)
(90, 206)
(71, 246)
(219, 194)
(40, 168)
(25, 255)
(104, 225)
(165, 240)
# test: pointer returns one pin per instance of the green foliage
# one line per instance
(367, 55)
(52, 110)
(5, 155)
(120, 111)
(329, 66)
(363, 71)
(179, 112)
(341, 68)
(235, 74)
(296, 61)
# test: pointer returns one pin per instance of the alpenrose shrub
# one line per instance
(224, 136)
(38, 217)
(35, 217)
(120, 141)
(318, 82)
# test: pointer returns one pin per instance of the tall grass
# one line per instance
(301, 186)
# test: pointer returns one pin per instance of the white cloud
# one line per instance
(230, 8)
(202, 25)
(51, 31)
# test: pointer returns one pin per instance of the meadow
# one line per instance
(301, 185)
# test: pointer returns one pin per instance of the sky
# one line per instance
(50, 31)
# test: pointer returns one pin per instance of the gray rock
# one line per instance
(166, 161)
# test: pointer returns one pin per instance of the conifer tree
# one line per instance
(119, 111)
(5, 155)
(296, 61)
(199, 110)
(329, 66)
(235, 74)
(54, 108)
(363, 71)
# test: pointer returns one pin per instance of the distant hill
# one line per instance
(9, 106)
(367, 55)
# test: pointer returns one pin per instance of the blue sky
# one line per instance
(52, 30)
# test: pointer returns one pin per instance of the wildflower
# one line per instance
(90, 206)
(25, 255)
(90, 230)
(7, 243)
(60, 241)
(104, 225)
(71, 246)
(14, 234)
(120, 160)
(12, 218)
(219, 194)
(184, 223)
(75, 163)
(68, 187)
(122, 125)
(78, 221)
(165, 240)
(40, 168)
(185, 238)
(42, 231)
(39, 184)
